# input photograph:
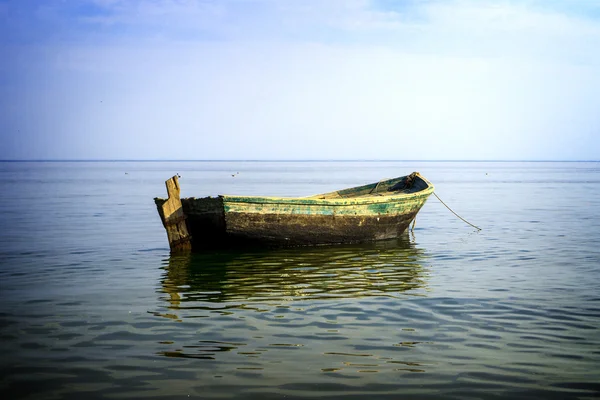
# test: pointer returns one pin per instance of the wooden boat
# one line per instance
(377, 211)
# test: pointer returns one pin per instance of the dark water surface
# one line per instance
(92, 305)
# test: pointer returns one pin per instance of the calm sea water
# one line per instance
(93, 306)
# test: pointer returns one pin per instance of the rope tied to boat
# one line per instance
(464, 220)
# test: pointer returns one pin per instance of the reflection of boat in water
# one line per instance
(390, 268)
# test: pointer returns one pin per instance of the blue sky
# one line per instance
(300, 79)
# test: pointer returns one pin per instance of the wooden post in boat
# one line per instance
(173, 219)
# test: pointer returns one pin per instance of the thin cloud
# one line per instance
(268, 79)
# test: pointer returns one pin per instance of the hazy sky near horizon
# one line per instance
(300, 79)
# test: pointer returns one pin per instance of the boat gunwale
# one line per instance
(312, 201)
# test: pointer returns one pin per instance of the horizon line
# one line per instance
(279, 160)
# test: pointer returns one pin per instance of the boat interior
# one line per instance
(387, 187)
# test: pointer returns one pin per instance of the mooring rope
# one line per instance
(476, 227)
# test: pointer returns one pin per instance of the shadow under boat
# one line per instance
(389, 268)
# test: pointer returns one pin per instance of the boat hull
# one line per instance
(303, 230)
(233, 221)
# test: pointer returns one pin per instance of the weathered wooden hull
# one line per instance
(366, 213)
